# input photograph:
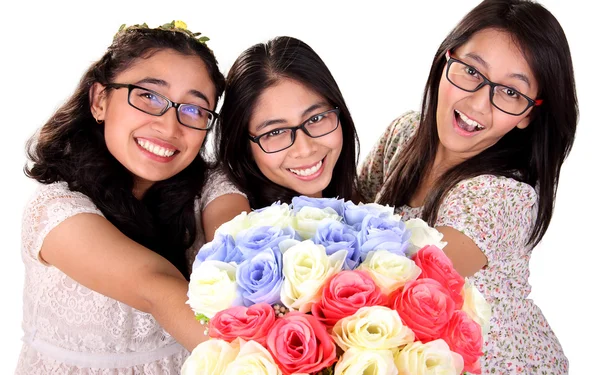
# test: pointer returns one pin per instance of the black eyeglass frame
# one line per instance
(170, 104)
(256, 139)
(493, 85)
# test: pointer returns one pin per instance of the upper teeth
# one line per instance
(474, 123)
(155, 149)
(309, 171)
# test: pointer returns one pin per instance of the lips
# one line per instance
(467, 124)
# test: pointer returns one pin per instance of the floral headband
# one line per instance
(178, 26)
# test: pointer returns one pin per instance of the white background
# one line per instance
(380, 55)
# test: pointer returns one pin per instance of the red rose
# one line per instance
(249, 323)
(425, 306)
(300, 343)
(344, 294)
(435, 264)
(463, 336)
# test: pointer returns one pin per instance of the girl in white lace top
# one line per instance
(123, 183)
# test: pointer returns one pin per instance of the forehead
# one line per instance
(286, 99)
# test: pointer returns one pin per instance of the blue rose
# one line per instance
(355, 214)
(383, 234)
(261, 277)
(337, 236)
(302, 201)
(221, 248)
(253, 240)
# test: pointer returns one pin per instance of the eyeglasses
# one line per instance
(155, 104)
(316, 126)
(505, 98)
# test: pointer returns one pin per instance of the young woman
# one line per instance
(284, 127)
(105, 235)
(482, 163)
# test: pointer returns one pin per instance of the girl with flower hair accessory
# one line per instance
(481, 163)
(285, 129)
(107, 237)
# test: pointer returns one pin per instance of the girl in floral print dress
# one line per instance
(481, 162)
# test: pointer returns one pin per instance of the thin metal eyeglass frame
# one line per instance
(256, 139)
(170, 104)
(493, 85)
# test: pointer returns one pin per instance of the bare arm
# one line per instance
(221, 210)
(466, 257)
(90, 250)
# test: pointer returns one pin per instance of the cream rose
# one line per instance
(235, 225)
(389, 271)
(212, 287)
(276, 215)
(372, 328)
(253, 359)
(306, 221)
(358, 362)
(434, 357)
(209, 357)
(306, 267)
(476, 307)
(422, 235)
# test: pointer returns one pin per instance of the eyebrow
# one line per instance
(163, 83)
(480, 60)
(307, 111)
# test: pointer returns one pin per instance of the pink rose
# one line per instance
(248, 323)
(425, 306)
(300, 343)
(463, 336)
(435, 264)
(344, 294)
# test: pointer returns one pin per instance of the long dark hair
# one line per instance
(256, 69)
(70, 147)
(533, 155)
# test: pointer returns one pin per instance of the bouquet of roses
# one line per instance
(324, 286)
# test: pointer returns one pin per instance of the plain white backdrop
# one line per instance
(380, 55)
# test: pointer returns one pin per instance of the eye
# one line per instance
(316, 118)
(471, 71)
(511, 93)
(276, 132)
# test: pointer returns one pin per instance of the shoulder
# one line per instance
(401, 131)
(59, 193)
(499, 189)
(217, 183)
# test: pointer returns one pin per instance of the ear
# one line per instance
(524, 121)
(98, 101)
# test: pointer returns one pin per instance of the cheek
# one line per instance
(446, 93)
(266, 162)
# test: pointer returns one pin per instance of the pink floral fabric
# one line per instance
(497, 213)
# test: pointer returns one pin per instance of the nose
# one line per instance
(480, 99)
(168, 124)
(303, 146)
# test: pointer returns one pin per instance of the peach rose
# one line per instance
(463, 336)
(248, 323)
(435, 264)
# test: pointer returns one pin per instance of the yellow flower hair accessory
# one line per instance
(179, 26)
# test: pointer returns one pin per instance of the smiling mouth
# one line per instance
(308, 171)
(466, 123)
(156, 149)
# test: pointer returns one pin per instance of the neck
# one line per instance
(140, 187)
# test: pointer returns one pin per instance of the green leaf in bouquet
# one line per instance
(203, 319)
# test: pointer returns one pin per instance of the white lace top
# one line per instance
(70, 329)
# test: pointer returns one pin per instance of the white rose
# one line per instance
(306, 267)
(372, 328)
(235, 225)
(306, 221)
(359, 362)
(209, 357)
(389, 271)
(212, 287)
(422, 235)
(432, 358)
(476, 307)
(253, 359)
(276, 215)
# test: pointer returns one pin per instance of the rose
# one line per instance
(276, 215)
(357, 362)
(257, 238)
(248, 323)
(422, 235)
(306, 221)
(209, 357)
(221, 248)
(382, 234)
(477, 307)
(372, 328)
(434, 264)
(300, 344)
(425, 307)
(389, 271)
(306, 267)
(212, 288)
(180, 25)
(431, 358)
(463, 336)
(355, 214)
(252, 359)
(344, 294)
(234, 226)
(335, 236)
(260, 278)
(302, 201)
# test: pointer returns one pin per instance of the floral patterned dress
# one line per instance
(497, 213)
